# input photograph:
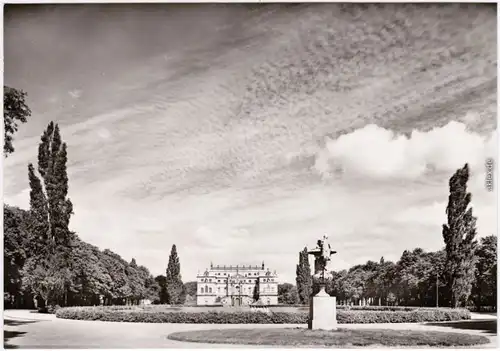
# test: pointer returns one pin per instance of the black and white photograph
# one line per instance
(250, 175)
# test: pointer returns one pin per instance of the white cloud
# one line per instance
(375, 152)
(104, 133)
(434, 215)
(75, 94)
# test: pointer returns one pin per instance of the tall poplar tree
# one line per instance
(175, 287)
(48, 272)
(304, 277)
(39, 215)
(459, 236)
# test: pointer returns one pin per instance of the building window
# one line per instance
(210, 290)
(206, 288)
(218, 290)
(202, 290)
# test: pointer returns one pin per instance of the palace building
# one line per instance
(235, 286)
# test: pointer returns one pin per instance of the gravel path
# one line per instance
(31, 330)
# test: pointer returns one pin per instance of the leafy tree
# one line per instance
(15, 110)
(412, 277)
(191, 289)
(175, 288)
(485, 285)
(391, 299)
(91, 279)
(287, 294)
(355, 283)
(459, 236)
(304, 278)
(16, 250)
(161, 280)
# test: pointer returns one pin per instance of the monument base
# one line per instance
(323, 311)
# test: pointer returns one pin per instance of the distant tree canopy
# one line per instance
(15, 110)
(411, 281)
(96, 276)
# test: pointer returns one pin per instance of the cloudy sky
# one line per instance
(244, 133)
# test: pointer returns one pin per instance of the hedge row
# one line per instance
(383, 308)
(277, 308)
(217, 317)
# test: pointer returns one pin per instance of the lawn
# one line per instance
(339, 338)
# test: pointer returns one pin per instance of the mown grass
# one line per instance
(338, 338)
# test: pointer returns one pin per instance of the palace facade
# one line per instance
(235, 285)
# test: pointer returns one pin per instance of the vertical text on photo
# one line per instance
(489, 174)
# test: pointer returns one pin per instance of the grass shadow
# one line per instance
(8, 334)
(13, 323)
(488, 326)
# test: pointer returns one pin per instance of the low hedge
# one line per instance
(383, 308)
(218, 317)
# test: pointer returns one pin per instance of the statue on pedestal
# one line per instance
(322, 310)
(322, 253)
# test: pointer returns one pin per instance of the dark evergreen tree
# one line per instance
(175, 287)
(256, 291)
(304, 278)
(459, 236)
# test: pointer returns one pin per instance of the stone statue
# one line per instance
(322, 311)
(322, 253)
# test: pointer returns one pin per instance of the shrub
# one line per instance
(247, 317)
(50, 309)
(411, 316)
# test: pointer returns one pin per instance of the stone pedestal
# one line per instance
(323, 311)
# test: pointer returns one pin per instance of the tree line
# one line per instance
(93, 277)
(463, 273)
(45, 263)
